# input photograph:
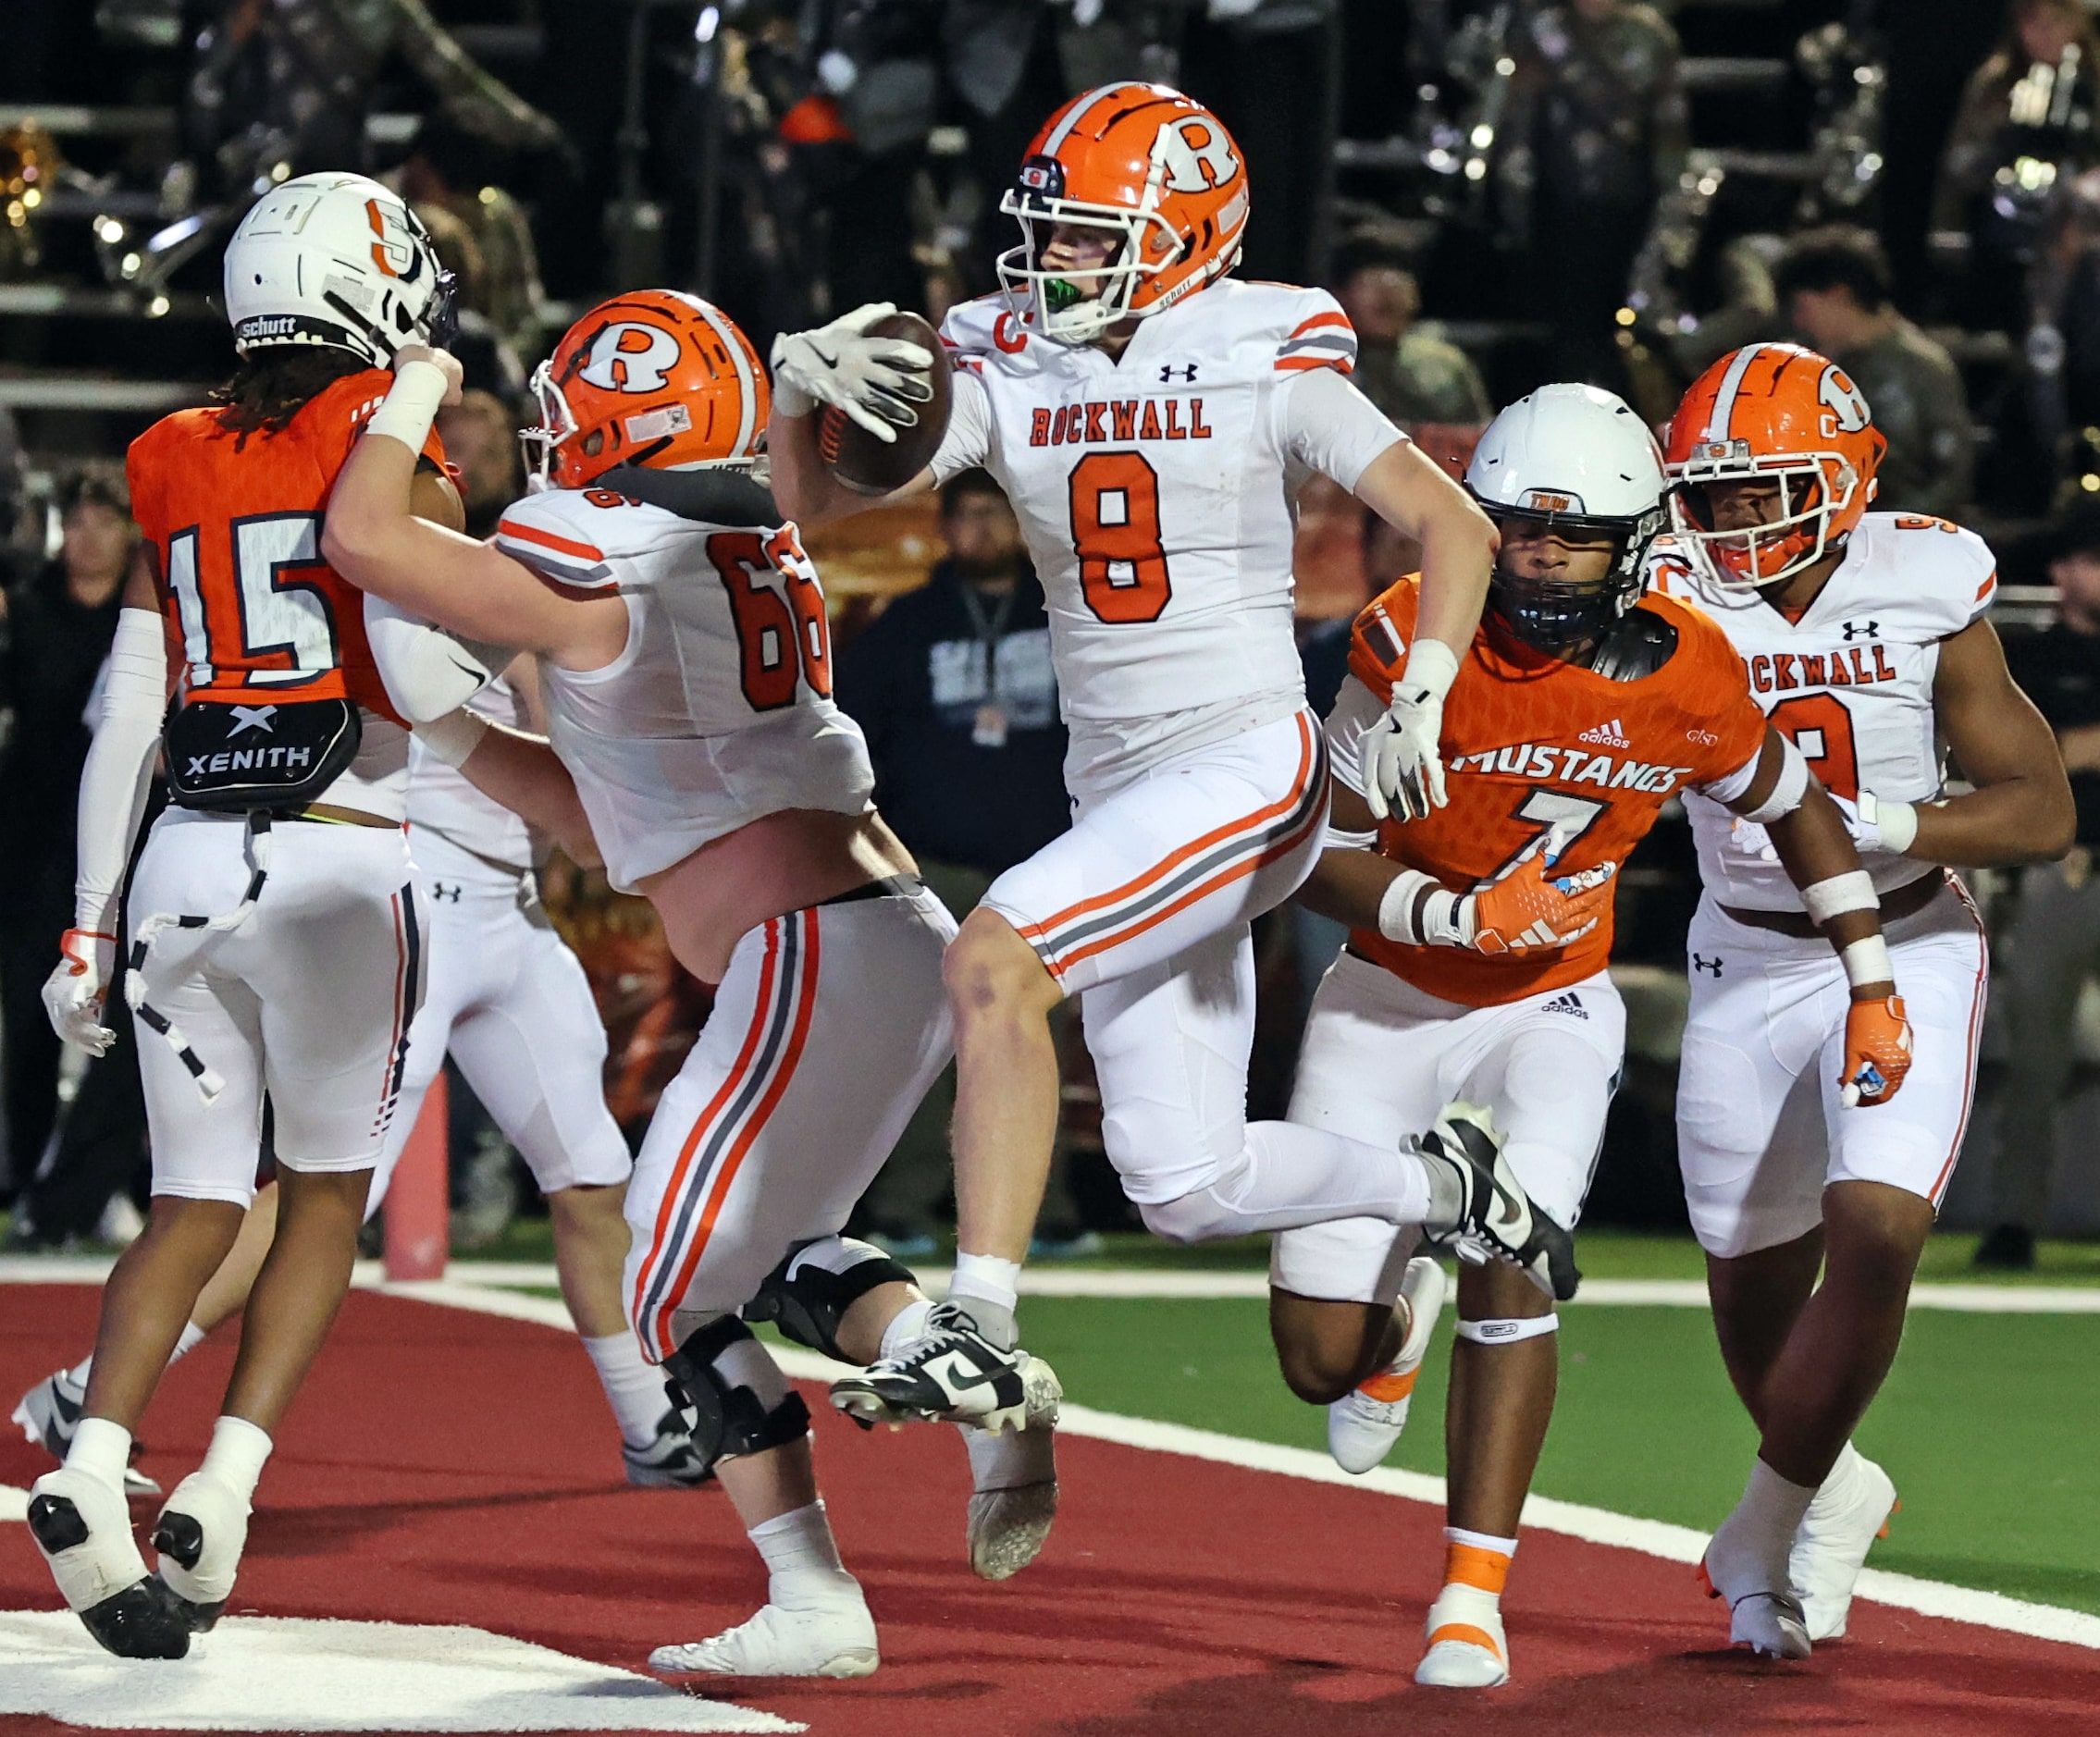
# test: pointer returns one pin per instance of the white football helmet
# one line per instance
(338, 260)
(1574, 458)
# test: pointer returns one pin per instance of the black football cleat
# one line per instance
(951, 1373)
(83, 1528)
(1497, 1220)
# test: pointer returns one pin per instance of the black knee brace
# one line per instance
(725, 1414)
(808, 1294)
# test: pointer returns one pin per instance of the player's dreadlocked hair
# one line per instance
(273, 385)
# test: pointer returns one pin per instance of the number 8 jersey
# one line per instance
(719, 711)
(1156, 491)
(1850, 683)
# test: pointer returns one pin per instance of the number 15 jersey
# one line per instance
(1157, 490)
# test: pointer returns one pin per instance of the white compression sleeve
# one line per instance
(1329, 426)
(114, 781)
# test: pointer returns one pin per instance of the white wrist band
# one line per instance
(1897, 820)
(410, 405)
(1334, 838)
(1396, 906)
(454, 737)
(788, 398)
(1431, 665)
(1825, 899)
(1867, 961)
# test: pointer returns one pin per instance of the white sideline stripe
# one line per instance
(1593, 1525)
(1140, 1282)
(14, 1503)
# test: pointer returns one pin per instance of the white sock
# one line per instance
(100, 1448)
(905, 1325)
(1837, 1486)
(989, 1286)
(237, 1453)
(186, 1341)
(634, 1389)
(802, 1560)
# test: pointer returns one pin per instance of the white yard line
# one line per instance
(1594, 1525)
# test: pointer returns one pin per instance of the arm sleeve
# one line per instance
(1328, 425)
(967, 442)
(1356, 708)
(119, 764)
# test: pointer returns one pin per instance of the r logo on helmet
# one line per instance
(1847, 409)
(630, 358)
(1196, 155)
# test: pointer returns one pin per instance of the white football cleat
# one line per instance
(1764, 1611)
(1850, 1512)
(1364, 1422)
(200, 1533)
(1467, 1647)
(1013, 1499)
(83, 1527)
(835, 1640)
(49, 1413)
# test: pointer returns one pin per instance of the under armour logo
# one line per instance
(1862, 630)
(253, 718)
(1701, 963)
(1168, 373)
(439, 890)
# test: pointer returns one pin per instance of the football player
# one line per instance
(1868, 645)
(686, 674)
(508, 1001)
(1480, 934)
(275, 939)
(1151, 419)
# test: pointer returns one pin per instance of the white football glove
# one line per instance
(1877, 823)
(1404, 771)
(877, 381)
(74, 992)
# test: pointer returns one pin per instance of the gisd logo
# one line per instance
(630, 357)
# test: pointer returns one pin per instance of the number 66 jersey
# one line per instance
(717, 711)
(1156, 494)
(1850, 683)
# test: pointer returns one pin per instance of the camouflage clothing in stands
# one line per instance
(1423, 378)
(1916, 395)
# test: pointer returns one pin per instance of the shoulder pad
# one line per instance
(1929, 571)
(572, 536)
(1377, 639)
(1638, 644)
(1313, 331)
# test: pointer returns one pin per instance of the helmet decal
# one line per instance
(1847, 407)
(1196, 154)
(630, 357)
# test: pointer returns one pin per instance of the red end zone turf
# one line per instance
(447, 1467)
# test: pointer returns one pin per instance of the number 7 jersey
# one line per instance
(717, 711)
(1850, 683)
(1157, 490)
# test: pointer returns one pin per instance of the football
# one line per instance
(868, 466)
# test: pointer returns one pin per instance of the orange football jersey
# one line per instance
(1540, 755)
(252, 612)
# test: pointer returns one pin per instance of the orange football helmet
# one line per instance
(1771, 412)
(1145, 163)
(651, 377)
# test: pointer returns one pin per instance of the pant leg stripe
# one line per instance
(1975, 1040)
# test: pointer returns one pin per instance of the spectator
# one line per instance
(1408, 371)
(481, 439)
(1596, 131)
(953, 686)
(1833, 286)
(60, 624)
(2053, 945)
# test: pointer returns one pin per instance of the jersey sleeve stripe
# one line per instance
(1298, 365)
(1337, 343)
(1988, 587)
(547, 539)
(1329, 318)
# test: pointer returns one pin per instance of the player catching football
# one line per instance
(686, 674)
(1477, 966)
(1867, 641)
(275, 941)
(1151, 420)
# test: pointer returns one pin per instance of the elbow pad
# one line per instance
(1787, 793)
(427, 670)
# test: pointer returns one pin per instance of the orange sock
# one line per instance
(1476, 1560)
(1386, 1388)
(1468, 1609)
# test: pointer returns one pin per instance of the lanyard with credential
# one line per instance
(989, 730)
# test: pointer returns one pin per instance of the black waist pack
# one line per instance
(233, 758)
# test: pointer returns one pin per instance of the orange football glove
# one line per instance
(1525, 909)
(1877, 1051)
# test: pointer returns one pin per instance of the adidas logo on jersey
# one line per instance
(1611, 735)
(1570, 1004)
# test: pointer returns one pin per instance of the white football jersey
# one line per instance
(1850, 683)
(1156, 491)
(440, 799)
(719, 710)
